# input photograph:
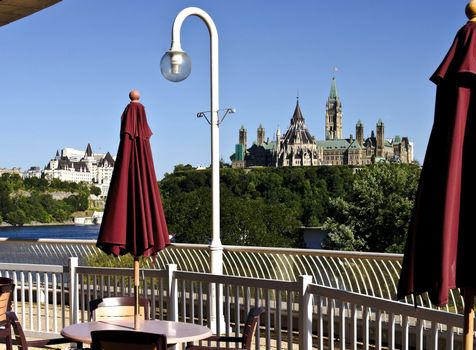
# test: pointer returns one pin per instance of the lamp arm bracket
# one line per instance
(227, 110)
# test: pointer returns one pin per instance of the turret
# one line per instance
(260, 135)
(243, 137)
(380, 138)
(359, 132)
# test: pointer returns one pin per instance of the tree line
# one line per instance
(364, 209)
(23, 201)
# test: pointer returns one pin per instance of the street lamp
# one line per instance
(176, 66)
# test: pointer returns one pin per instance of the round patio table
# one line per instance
(176, 332)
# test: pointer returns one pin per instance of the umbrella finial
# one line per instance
(470, 10)
(134, 95)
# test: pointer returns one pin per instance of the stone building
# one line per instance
(297, 147)
(82, 166)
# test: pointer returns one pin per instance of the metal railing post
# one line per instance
(305, 313)
(73, 290)
(172, 313)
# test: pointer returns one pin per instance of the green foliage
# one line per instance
(378, 209)
(368, 210)
(183, 167)
(189, 215)
(16, 217)
(79, 202)
(95, 190)
(103, 260)
(341, 237)
(30, 200)
(35, 183)
(254, 222)
(260, 207)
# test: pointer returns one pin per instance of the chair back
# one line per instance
(250, 326)
(20, 339)
(126, 340)
(117, 307)
(6, 295)
(23, 343)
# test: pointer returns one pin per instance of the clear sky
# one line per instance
(65, 72)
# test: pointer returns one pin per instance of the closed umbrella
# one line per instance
(134, 220)
(439, 253)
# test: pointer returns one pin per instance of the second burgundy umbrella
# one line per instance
(439, 254)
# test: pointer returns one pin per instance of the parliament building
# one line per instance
(297, 147)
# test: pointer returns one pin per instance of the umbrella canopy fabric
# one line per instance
(439, 253)
(133, 220)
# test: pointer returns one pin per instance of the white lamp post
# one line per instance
(176, 66)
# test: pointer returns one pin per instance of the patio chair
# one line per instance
(117, 307)
(126, 340)
(6, 294)
(245, 340)
(24, 344)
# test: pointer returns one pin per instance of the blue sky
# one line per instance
(65, 72)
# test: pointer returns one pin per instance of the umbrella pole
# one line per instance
(468, 329)
(136, 293)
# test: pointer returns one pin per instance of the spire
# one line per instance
(333, 92)
(297, 116)
(89, 151)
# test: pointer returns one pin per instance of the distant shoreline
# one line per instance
(37, 224)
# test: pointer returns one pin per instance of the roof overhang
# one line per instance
(12, 10)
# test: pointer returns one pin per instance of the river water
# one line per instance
(60, 231)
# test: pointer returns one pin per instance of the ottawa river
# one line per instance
(60, 231)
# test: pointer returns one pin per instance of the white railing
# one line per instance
(40, 298)
(374, 274)
(297, 312)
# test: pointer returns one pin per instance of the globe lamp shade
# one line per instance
(175, 65)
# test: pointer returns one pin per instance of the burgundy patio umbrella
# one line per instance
(439, 253)
(133, 220)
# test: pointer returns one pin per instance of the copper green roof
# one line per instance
(380, 122)
(333, 144)
(355, 145)
(270, 145)
(333, 93)
(359, 123)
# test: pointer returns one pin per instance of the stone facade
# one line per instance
(297, 147)
(82, 166)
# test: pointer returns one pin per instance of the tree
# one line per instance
(16, 218)
(95, 190)
(189, 216)
(341, 237)
(377, 210)
(257, 223)
(79, 202)
(182, 167)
